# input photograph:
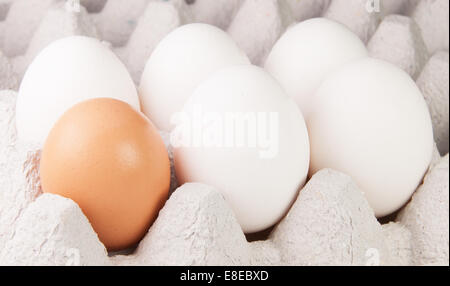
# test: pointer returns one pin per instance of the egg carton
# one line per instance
(330, 223)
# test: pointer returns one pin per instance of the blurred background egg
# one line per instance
(180, 62)
(111, 160)
(370, 121)
(307, 53)
(65, 73)
(241, 133)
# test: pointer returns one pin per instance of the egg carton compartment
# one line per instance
(330, 223)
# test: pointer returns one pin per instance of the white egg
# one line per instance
(241, 133)
(65, 73)
(307, 53)
(180, 62)
(370, 121)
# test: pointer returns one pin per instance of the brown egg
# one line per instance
(111, 160)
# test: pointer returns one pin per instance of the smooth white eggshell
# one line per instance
(259, 189)
(370, 121)
(307, 53)
(180, 62)
(65, 73)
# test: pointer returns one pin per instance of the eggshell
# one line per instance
(370, 121)
(307, 53)
(110, 160)
(259, 180)
(65, 73)
(180, 62)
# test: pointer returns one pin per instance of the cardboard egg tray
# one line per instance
(330, 223)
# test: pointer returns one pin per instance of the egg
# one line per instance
(112, 162)
(180, 62)
(241, 133)
(307, 53)
(370, 121)
(65, 73)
